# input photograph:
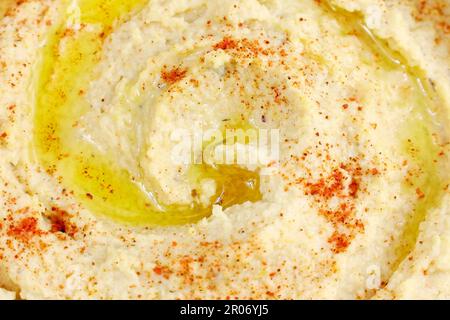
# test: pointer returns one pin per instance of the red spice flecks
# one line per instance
(60, 220)
(173, 75)
(226, 44)
(434, 11)
(68, 32)
(58, 225)
(328, 187)
(157, 270)
(344, 188)
(340, 241)
(420, 193)
(353, 187)
(244, 48)
(185, 270)
(25, 229)
(278, 98)
(163, 271)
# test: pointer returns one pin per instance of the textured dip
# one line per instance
(95, 96)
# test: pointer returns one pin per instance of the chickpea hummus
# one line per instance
(356, 204)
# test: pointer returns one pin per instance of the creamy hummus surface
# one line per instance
(95, 96)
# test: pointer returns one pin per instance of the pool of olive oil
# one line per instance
(96, 180)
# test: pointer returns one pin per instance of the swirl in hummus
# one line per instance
(355, 205)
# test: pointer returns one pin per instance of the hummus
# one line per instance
(97, 95)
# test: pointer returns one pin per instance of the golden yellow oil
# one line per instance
(97, 181)
(107, 189)
(418, 142)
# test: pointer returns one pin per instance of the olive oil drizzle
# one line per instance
(106, 189)
(417, 133)
(97, 181)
